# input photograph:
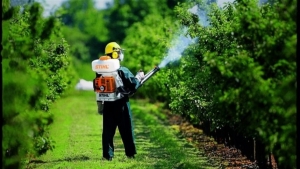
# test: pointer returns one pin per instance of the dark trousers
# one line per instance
(117, 114)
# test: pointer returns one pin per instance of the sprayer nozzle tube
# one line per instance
(156, 67)
(149, 74)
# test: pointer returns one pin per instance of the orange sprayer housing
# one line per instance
(105, 84)
(104, 57)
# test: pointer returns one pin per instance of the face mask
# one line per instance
(121, 56)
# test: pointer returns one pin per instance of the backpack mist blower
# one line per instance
(108, 84)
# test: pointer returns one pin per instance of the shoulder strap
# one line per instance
(128, 87)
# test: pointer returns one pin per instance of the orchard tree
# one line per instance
(86, 23)
(36, 72)
(245, 66)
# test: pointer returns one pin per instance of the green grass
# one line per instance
(84, 70)
(77, 130)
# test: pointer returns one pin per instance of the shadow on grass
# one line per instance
(164, 149)
(66, 159)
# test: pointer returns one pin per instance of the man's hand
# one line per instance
(140, 75)
(100, 107)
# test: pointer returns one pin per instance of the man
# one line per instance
(117, 113)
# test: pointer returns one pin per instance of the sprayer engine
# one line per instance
(105, 84)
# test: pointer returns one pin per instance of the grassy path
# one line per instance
(77, 130)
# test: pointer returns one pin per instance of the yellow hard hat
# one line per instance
(115, 50)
